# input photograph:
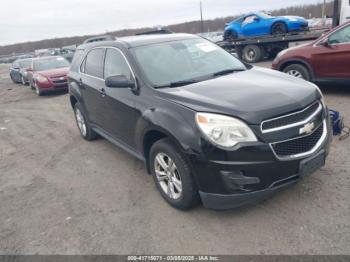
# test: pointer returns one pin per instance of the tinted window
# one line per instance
(76, 60)
(115, 64)
(94, 63)
(341, 36)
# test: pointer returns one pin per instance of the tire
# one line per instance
(298, 71)
(23, 81)
(37, 90)
(87, 133)
(231, 35)
(183, 193)
(253, 53)
(15, 82)
(279, 29)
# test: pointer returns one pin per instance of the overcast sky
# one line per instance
(28, 20)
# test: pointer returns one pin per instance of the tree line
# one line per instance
(193, 27)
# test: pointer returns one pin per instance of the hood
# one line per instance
(291, 17)
(55, 72)
(253, 95)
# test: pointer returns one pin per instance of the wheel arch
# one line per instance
(153, 135)
(300, 62)
(279, 22)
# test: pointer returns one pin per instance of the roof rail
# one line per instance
(99, 38)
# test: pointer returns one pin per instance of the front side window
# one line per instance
(182, 60)
(340, 36)
(50, 63)
(115, 64)
(94, 62)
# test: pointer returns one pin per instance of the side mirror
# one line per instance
(325, 42)
(119, 81)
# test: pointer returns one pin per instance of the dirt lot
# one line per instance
(62, 195)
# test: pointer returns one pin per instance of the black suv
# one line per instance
(209, 127)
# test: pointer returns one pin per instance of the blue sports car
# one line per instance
(258, 24)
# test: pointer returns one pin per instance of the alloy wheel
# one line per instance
(168, 176)
(80, 121)
(295, 73)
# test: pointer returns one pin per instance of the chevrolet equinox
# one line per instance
(210, 128)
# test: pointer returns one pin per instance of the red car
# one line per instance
(48, 74)
(325, 60)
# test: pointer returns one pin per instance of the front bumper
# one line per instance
(248, 174)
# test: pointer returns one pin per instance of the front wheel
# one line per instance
(279, 29)
(172, 175)
(24, 82)
(298, 71)
(38, 91)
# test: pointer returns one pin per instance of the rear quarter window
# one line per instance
(76, 60)
(94, 62)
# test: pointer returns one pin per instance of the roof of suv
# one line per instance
(140, 40)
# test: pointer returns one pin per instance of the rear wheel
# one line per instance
(84, 127)
(298, 71)
(253, 53)
(279, 29)
(172, 175)
(231, 35)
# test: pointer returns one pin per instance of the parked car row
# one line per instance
(44, 74)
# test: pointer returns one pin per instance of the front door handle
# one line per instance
(102, 92)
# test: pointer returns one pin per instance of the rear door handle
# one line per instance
(102, 92)
(80, 83)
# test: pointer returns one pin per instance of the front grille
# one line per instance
(290, 118)
(64, 81)
(298, 145)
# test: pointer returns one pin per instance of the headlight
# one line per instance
(41, 79)
(320, 92)
(223, 130)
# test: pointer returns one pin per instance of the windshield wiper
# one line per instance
(228, 71)
(178, 83)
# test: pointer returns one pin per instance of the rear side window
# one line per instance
(76, 60)
(94, 63)
(115, 64)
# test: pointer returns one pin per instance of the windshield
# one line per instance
(183, 60)
(51, 63)
(25, 63)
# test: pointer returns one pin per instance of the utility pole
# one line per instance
(201, 11)
(324, 13)
(336, 14)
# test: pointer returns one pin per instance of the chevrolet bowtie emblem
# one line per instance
(307, 129)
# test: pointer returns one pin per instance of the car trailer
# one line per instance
(255, 49)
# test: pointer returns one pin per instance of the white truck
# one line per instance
(344, 11)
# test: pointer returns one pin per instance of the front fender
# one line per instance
(176, 122)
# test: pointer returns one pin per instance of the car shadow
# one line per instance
(337, 89)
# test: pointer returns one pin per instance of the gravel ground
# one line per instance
(62, 195)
